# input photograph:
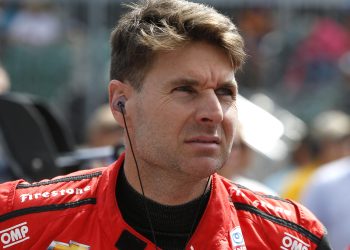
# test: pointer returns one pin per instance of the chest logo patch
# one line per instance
(237, 239)
(14, 235)
(290, 242)
(72, 245)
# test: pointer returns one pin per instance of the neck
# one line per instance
(161, 186)
(172, 225)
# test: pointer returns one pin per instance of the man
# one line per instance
(330, 131)
(330, 184)
(5, 172)
(173, 89)
(4, 81)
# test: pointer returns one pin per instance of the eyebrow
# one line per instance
(186, 81)
(193, 82)
(229, 84)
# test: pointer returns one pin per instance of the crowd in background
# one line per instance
(301, 62)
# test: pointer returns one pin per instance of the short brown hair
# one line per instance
(162, 25)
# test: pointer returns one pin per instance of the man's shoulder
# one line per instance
(274, 213)
(246, 199)
(67, 189)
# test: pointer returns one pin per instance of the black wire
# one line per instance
(197, 212)
(139, 177)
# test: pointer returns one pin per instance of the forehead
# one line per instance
(197, 62)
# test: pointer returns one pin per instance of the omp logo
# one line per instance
(290, 242)
(72, 245)
(281, 210)
(237, 239)
(14, 235)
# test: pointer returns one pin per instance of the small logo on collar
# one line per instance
(237, 239)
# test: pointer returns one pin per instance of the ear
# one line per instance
(117, 91)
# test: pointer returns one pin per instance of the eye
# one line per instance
(185, 88)
(226, 91)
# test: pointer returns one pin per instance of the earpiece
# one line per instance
(120, 104)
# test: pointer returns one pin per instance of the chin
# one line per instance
(205, 168)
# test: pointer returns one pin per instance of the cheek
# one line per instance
(154, 122)
(230, 124)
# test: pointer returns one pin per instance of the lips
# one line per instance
(204, 140)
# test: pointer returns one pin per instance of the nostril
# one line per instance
(204, 119)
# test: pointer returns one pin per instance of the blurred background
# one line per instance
(298, 68)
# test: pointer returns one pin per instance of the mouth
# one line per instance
(204, 140)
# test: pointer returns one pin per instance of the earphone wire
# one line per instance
(139, 177)
(198, 210)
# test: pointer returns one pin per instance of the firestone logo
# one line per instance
(290, 242)
(72, 245)
(62, 192)
(14, 235)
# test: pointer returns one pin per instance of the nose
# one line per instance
(210, 109)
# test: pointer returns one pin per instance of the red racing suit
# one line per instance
(79, 211)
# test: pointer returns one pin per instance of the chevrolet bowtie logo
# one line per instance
(55, 245)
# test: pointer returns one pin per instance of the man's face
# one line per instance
(183, 119)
